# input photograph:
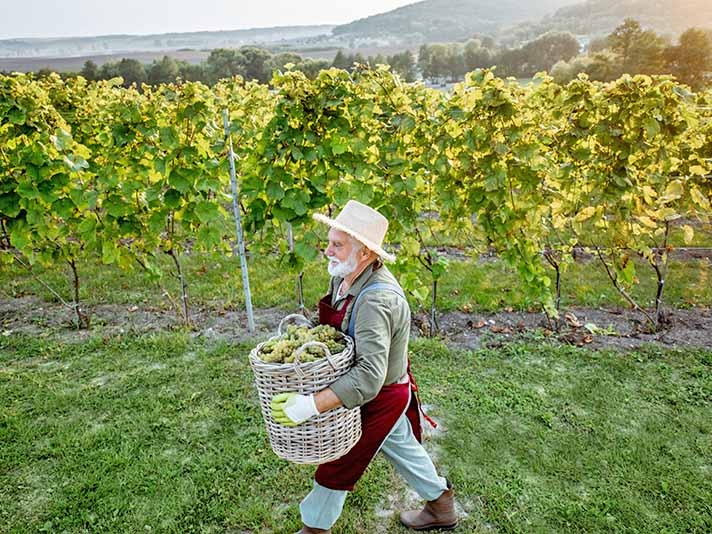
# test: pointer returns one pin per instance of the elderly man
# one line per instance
(366, 301)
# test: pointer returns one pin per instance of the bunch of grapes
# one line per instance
(283, 348)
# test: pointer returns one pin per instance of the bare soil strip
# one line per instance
(595, 328)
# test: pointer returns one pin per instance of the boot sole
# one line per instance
(451, 526)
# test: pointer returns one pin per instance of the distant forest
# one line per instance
(628, 49)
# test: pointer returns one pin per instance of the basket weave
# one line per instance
(322, 438)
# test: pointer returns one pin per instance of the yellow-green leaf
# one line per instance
(649, 194)
(699, 198)
(698, 170)
(688, 233)
(410, 246)
(673, 191)
(647, 221)
(585, 214)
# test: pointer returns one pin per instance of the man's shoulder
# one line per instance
(383, 277)
(381, 285)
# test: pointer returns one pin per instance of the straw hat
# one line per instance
(363, 224)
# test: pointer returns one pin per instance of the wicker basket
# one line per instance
(322, 438)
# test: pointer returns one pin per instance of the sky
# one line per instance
(72, 18)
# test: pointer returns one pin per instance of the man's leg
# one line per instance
(412, 461)
(322, 507)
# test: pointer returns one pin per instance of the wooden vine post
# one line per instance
(300, 278)
(238, 226)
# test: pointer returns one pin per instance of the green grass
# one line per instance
(163, 434)
(567, 440)
(492, 286)
(215, 282)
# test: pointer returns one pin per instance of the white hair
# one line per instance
(356, 243)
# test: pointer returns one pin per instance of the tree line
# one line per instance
(634, 50)
(249, 62)
(628, 49)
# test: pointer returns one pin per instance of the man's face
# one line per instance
(341, 253)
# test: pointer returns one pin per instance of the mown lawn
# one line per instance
(162, 433)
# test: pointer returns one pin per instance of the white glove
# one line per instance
(292, 409)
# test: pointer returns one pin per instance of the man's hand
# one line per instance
(292, 409)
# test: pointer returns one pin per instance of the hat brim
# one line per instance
(366, 242)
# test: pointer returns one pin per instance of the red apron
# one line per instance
(378, 416)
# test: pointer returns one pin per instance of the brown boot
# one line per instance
(312, 530)
(437, 514)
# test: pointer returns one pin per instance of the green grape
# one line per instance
(283, 349)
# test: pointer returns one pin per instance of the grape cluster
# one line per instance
(283, 348)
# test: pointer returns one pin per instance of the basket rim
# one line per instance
(301, 365)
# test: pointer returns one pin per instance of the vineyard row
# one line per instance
(95, 170)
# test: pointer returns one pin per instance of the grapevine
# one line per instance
(93, 171)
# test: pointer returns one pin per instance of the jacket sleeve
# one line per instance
(372, 336)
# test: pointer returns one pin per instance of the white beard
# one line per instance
(341, 269)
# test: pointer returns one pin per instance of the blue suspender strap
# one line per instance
(378, 285)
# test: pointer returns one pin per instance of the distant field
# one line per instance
(73, 64)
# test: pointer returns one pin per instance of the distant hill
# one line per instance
(510, 22)
(127, 44)
(600, 17)
(449, 20)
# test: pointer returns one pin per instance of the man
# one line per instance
(379, 382)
